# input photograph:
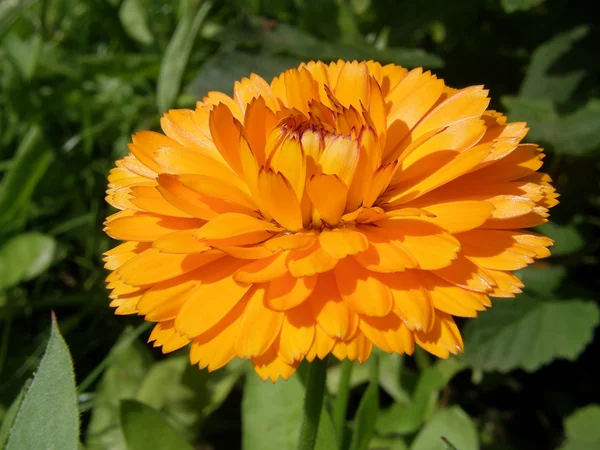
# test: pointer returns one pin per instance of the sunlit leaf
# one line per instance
(527, 333)
(24, 257)
(40, 423)
(581, 429)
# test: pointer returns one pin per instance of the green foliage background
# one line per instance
(77, 77)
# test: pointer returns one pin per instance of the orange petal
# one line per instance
(297, 334)
(225, 131)
(411, 301)
(383, 254)
(259, 327)
(330, 311)
(430, 245)
(452, 299)
(443, 339)
(309, 261)
(495, 249)
(164, 335)
(180, 242)
(458, 216)
(289, 241)
(263, 270)
(359, 347)
(272, 366)
(466, 274)
(233, 224)
(465, 104)
(388, 333)
(216, 347)
(288, 159)
(216, 295)
(340, 157)
(287, 291)
(341, 242)
(152, 266)
(330, 206)
(279, 199)
(122, 253)
(145, 227)
(321, 345)
(210, 186)
(164, 300)
(363, 291)
(352, 87)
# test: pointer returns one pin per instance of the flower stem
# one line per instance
(341, 400)
(313, 403)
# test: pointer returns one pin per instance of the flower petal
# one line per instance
(363, 291)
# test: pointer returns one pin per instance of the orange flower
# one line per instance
(339, 207)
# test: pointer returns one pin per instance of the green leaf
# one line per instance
(366, 414)
(145, 429)
(29, 164)
(177, 55)
(511, 6)
(527, 333)
(10, 12)
(222, 70)
(48, 416)
(24, 257)
(542, 280)
(186, 395)
(134, 17)
(581, 429)
(545, 78)
(271, 416)
(10, 415)
(406, 418)
(128, 366)
(575, 133)
(288, 40)
(454, 425)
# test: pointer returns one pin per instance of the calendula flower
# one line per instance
(338, 207)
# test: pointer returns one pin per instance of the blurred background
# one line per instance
(77, 77)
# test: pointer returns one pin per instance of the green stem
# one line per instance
(313, 403)
(341, 400)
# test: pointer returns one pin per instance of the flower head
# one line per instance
(339, 207)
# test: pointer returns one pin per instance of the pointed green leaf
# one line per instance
(454, 425)
(10, 415)
(145, 428)
(134, 17)
(48, 417)
(28, 165)
(177, 55)
(527, 333)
